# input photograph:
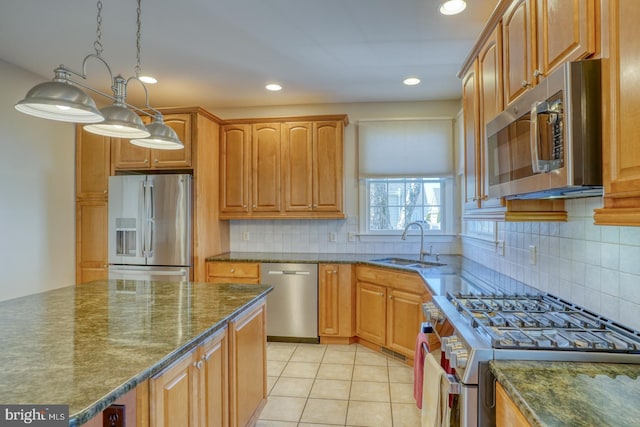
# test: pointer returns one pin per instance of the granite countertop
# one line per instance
(87, 345)
(572, 394)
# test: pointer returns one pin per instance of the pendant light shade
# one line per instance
(119, 122)
(162, 136)
(60, 100)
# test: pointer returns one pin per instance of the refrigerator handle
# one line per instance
(151, 218)
(143, 218)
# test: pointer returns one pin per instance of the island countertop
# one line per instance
(572, 393)
(87, 345)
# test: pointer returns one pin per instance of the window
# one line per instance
(406, 175)
(392, 203)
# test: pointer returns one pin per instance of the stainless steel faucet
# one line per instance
(422, 251)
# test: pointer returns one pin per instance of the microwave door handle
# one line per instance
(536, 108)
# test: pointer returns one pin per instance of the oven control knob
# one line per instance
(451, 348)
(431, 312)
(459, 358)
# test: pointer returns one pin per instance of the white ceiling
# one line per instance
(221, 53)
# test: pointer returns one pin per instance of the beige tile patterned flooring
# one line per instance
(337, 385)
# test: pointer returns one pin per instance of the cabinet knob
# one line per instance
(198, 364)
(525, 83)
(390, 296)
(206, 357)
(104, 191)
(381, 294)
(233, 270)
(537, 73)
(254, 206)
(155, 160)
(146, 160)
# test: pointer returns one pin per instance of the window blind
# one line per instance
(405, 148)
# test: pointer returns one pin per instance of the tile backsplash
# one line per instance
(597, 267)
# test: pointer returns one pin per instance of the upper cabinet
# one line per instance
(127, 156)
(540, 35)
(621, 129)
(282, 168)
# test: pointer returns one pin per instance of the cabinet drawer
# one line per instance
(233, 269)
(392, 278)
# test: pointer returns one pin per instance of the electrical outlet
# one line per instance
(245, 236)
(113, 416)
(532, 254)
(352, 236)
(333, 236)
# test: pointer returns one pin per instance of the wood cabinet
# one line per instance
(193, 391)
(92, 184)
(336, 303)
(507, 413)
(248, 367)
(389, 308)
(313, 167)
(282, 168)
(233, 272)
(621, 129)
(471, 151)
(131, 157)
(541, 35)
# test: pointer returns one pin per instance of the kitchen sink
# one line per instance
(403, 262)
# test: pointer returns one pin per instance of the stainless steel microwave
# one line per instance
(548, 142)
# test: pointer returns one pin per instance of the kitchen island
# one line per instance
(87, 345)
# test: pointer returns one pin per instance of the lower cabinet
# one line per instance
(336, 303)
(233, 272)
(507, 413)
(222, 382)
(389, 308)
(248, 367)
(193, 391)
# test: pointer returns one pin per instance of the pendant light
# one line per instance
(63, 100)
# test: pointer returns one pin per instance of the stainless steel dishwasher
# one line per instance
(292, 305)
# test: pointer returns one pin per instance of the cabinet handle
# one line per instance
(525, 83)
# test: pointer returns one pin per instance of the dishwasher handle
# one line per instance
(294, 272)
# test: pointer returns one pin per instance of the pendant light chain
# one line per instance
(97, 45)
(138, 37)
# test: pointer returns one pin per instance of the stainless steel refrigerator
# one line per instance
(150, 227)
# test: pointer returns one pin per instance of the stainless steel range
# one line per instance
(493, 326)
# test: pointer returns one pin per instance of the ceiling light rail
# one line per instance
(62, 100)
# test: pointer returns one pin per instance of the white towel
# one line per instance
(432, 397)
(445, 411)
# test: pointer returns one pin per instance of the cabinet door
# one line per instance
(404, 313)
(175, 159)
(621, 129)
(371, 312)
(265, 159)
(298, 166)
(517, 46)
(336, 289)
(127, 156)
(491, 102)
(507, 413)
(247, 366)
(235, 167)
(215, 382)
(174, 395)
(327, 166)
(91, 240)
(471, 119)
(565, 32)
(93, 157)
(233, 272)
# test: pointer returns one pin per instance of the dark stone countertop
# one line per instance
(87, 345)
(572, 393)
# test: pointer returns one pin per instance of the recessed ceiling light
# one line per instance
(148, 79)
(274, 87)
(452, 7)
(411, 81)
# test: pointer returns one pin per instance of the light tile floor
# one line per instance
(343, 385)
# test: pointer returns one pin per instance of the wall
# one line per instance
(37, 214)
(313, 235)
(597, 267)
